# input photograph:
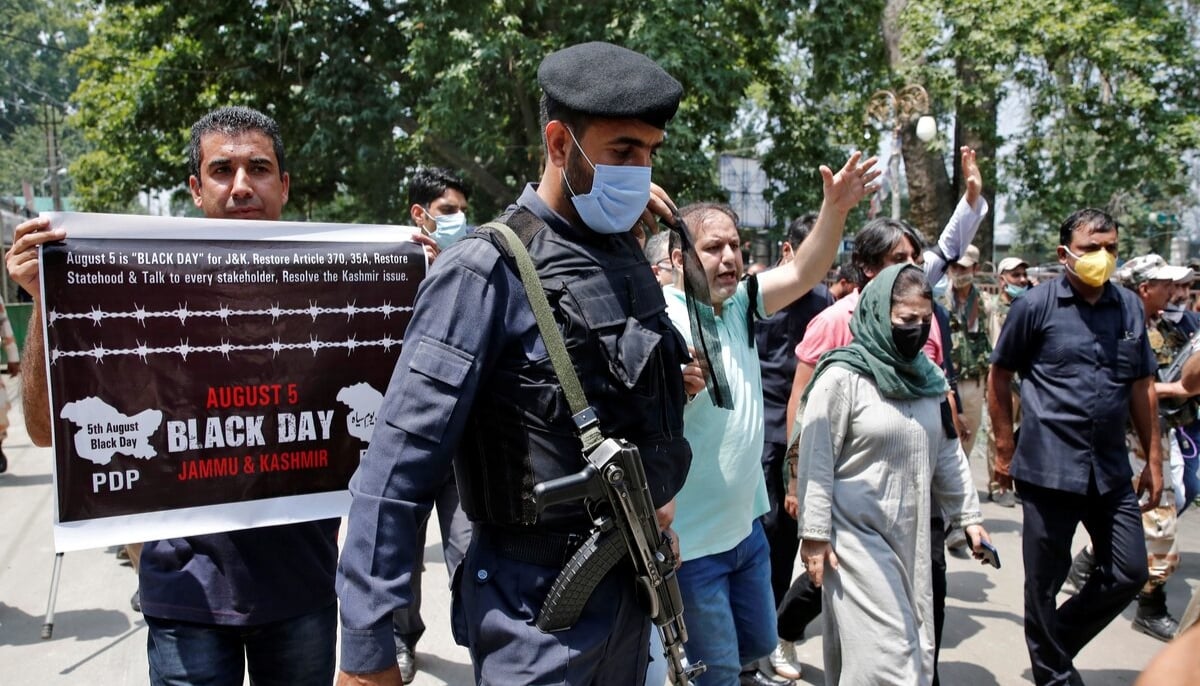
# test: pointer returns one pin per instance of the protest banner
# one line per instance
(211, 375)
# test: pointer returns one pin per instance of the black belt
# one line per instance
(544, 548)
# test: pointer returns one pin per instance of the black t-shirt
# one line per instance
(776, 338)
(241, 578)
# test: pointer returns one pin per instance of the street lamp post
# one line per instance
(894, 109)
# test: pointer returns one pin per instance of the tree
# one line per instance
(1107, 90)
(840, 53)
(367, 91)
(36, 80)
(1112, 90)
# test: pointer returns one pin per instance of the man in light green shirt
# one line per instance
(725, 578)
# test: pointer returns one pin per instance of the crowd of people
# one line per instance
(838, 436)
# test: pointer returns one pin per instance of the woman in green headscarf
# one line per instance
(875, 443)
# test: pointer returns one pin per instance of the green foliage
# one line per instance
(35, 81)
(1105, 91)
(815, 98)
(35, 35)
(23, 157)
(1112, 92)
(367, 91)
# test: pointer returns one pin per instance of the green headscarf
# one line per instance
(873, 352)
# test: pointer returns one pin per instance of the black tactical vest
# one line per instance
(612, 315)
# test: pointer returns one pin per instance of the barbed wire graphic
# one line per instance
(184, 349)
(98, 315)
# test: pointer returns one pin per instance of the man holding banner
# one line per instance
(257, 600)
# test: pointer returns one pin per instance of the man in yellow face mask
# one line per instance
(1092, 269)
(1080, 346)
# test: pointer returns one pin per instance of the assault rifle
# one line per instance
(614, 486)
(1175, 371)
(1168, 408)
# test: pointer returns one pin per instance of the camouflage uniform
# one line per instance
(971, 348)
(8, 343)
(1166, 340)
(996, 306)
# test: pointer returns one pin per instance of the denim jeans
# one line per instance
(297, 651)
(1191, 482)
(729, 608)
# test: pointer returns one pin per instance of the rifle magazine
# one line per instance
(569, 594)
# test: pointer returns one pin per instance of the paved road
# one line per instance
(99, 641)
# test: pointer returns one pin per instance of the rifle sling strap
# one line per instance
(581, 411)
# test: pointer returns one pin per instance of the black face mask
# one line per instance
(909, 339)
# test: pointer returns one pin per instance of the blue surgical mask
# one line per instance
(618, 197)
(1014, 291)
(450, 228)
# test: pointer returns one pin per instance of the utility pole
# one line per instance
(52, 155)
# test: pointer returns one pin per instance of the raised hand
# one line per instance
(972, 178)
(428, 243)
(853, 182)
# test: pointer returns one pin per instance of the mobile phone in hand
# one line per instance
(989, 554)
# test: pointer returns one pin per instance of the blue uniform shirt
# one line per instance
(471, 317)
(470, 309)
(1077, 363)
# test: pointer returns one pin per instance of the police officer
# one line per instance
(474, 386)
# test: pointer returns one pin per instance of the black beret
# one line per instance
(606, 80)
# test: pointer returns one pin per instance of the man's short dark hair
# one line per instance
(874, 243)
(846, 272)
(799, 229)
(553, 110)
(1088, 217)
(430, 183)
(232, 121)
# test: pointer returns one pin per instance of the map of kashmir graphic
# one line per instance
(104, 431)
(363, 401)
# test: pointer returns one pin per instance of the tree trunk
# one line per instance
(929, 206)
(457, 158)
(929, 194)
(892, 10)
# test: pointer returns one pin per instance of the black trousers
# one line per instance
(1056, 634)
(778, 525)
(937, 552)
